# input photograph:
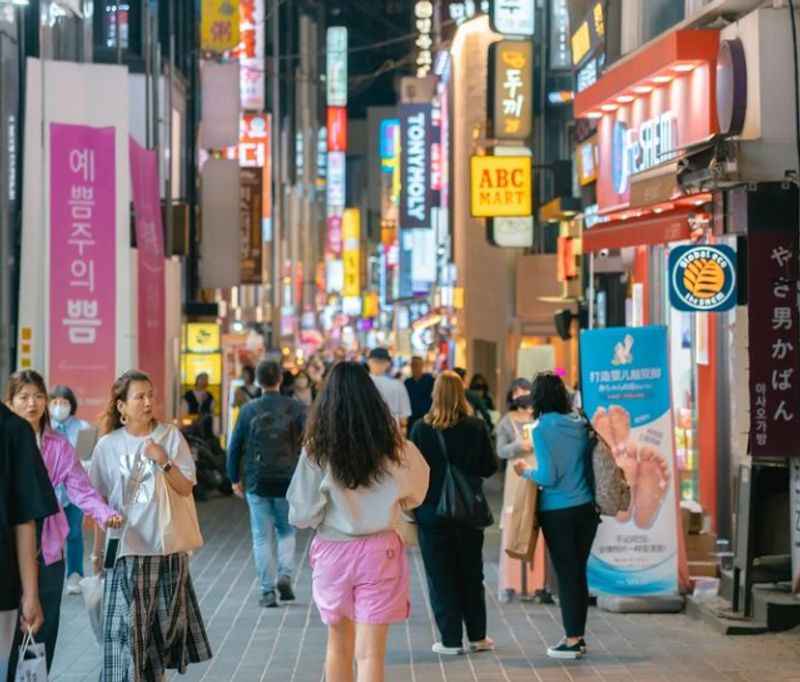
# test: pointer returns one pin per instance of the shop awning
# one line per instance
(649, 229)
(654, 63)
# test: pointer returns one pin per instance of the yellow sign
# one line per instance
(219, 25)
(371, 305)
(201, 337)
(193, 364)
(502, 186)
(351, 252)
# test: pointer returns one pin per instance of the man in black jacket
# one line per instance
(265, 448)
(26, 496)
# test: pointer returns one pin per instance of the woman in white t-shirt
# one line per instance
(146, 472)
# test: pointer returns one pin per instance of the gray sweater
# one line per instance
(509, 443)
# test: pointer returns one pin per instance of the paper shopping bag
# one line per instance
(523, 531)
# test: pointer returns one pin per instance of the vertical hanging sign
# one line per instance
(219, 25)
(423, 23)
(336, 66)
(511, 89)
(83, 256)
(415, 136)
(250, 52)
(351, 229)
(513, 17)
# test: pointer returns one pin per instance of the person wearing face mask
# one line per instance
(63, 406)
(302, 389)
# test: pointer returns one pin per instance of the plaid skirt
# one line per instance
(152, 620)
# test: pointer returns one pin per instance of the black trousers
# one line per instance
(569, 534)
(51, 588)
(453, 558)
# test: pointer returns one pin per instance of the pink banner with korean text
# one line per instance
(150, 246)
(82, 326)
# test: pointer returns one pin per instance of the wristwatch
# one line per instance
(166, 467)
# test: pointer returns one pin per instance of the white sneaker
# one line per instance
(74, 584)
(443, 650)
(486, 644)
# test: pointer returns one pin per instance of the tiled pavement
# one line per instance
(288, 644)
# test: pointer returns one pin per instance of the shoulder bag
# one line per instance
(460, 503)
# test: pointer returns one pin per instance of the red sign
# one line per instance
(649, 130)
(337, 129)
(773, 325)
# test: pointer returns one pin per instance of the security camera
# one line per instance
(603, 253)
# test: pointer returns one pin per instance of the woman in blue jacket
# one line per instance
(567, 513)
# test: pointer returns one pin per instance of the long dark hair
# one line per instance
(111, 419)
(29, 377)
(549, 394)
(350, 428)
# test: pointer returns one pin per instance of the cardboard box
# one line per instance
(700, 547)
(692, 522)
(706, 569)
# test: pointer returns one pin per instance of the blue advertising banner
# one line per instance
(626, 393)
(702, 278)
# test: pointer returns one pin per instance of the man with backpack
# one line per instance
(264, 450)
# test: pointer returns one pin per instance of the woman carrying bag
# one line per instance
(152, 621)
(454, 514)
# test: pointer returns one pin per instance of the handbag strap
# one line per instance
(442, 444)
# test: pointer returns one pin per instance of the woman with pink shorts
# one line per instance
(355, 477)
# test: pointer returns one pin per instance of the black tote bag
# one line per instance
(460, 503)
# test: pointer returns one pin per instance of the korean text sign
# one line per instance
(219, 25)
(511, 90)
(351, 232)
(83, 248)
(626, 394)
(773, 332)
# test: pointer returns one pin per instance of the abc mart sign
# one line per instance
(501, 186)
(702, 278)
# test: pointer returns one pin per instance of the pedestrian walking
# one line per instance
(475, 400)
(26, 498)
(248, 390)
(355, 477)
(152, 621)
(27, 396)
(303, 388)
(392, 391)
(449, 436)
(63, 406)
(567, 513)
(420, 391)
(264, 450)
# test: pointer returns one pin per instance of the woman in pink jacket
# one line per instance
(27, 396)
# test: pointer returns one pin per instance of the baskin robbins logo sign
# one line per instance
(702, 278)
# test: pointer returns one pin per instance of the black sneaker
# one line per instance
(582, 645)
(268, 600)
(563, 650)
(285, 588)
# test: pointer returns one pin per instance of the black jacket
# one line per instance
(26, 494)
(468, 448)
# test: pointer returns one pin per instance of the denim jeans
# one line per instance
(74, 540)
(273, 539)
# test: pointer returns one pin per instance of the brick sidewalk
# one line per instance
(288, 644)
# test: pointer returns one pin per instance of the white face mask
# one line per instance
(59, 412)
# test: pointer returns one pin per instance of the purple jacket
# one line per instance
(65, 469)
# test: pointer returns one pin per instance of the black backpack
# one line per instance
(273, 445)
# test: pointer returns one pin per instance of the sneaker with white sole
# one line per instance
(582, 645)
(443, 650)
(74, 584)
(486, 644)
(565, 651)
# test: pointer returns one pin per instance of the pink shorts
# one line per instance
(363, 580)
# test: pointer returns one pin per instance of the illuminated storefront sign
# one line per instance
(501, 186)
(586, 161)
(250, 52)
(322, 156)
(638, 149)
(415, 206)
(219, 25)
(702, 278)
(336, 62)
(351, 252)
(460, 12)
(336, 182)
(511, 89)
(513, 17)
(423, 22)
(589, 36)
(560, 57)
(511, 232)
(337, 129)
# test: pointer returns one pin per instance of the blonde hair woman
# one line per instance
(453, 553)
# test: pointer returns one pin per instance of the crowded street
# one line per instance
(406, 340)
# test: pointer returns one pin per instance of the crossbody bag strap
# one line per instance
(442, 444)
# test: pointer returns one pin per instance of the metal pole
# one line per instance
(118, 34)
(277, 198)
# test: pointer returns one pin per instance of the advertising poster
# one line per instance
(151, 283)
(626, 394)
(83, 278)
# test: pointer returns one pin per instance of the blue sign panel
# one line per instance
(702, 278)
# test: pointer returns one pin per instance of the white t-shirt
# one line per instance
(395, 395)
(120, 470)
